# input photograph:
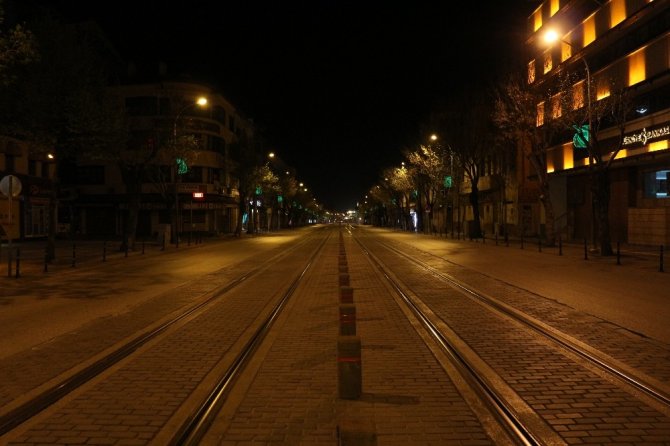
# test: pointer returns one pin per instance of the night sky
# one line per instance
(340, 88)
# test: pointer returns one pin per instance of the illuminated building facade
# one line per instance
(619, 46)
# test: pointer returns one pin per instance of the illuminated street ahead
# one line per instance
(161, 328)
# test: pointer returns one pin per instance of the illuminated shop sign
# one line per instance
(645, 136)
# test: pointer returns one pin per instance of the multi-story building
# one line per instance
(614, 45)
(30, 209)
(195, 191)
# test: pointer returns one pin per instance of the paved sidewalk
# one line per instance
(633, 295)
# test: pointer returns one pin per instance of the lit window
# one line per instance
(556, 106)
(617, 12)
(637, 71)
(589, 30)
(540, 114)
(554, 7)
(566, 51)
(537, 18)
(578, 95)
(531, 71)
(603, 91)
(547, 62)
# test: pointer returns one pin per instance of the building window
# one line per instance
(537, 19)
(556, 106)
(548, 62)
(656, 184)
(555, 5)
(617, 12)
(589, 30)
(566, 51)
(531, 71)
(540, 114)
(637, 67)
(578, 95)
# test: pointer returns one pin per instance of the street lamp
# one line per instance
(201, 101)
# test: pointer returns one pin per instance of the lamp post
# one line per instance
(550, 37)
(200, 102)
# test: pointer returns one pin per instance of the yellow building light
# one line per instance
(540, 114)
(537, 19)
(550, 165)
(603, 90)
(531, 71)
(589, 30)
(617, 12)
(568, 158)
(566, 51)
(623, 153)
(637, 67)
(556, 106)
(658, 145)
(548, 62)
(554, 7)
(578, 95)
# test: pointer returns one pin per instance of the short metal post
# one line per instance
(18, 263)
(618, 254)
(586, 251)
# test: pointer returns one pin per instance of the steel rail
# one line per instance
(511, 422)
(48, 397)
(195, 428)
(627, 378)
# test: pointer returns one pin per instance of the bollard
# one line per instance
(18, 263)
(506, 240)
(9, 263)
(483, 237)
(347, 320)
(349, 373)
(74, 254)
(104, 251)
(618, 254)
(344, 279)
(346, 295)
(496, 239)
(163, 247)
(356, 432)
(586, 251)
(660, 267)
(560, 246)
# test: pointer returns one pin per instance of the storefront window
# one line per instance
(656, 184)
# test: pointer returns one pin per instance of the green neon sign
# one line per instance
(448, 182)
(182, 167)
(581, 138)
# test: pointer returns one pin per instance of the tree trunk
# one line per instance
(601, 201)
(545, 199)
(476, 230)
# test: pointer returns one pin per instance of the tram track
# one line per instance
(195, 427)
(18, 414)
(514, 424)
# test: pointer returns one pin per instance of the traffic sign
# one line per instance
(10, 185)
